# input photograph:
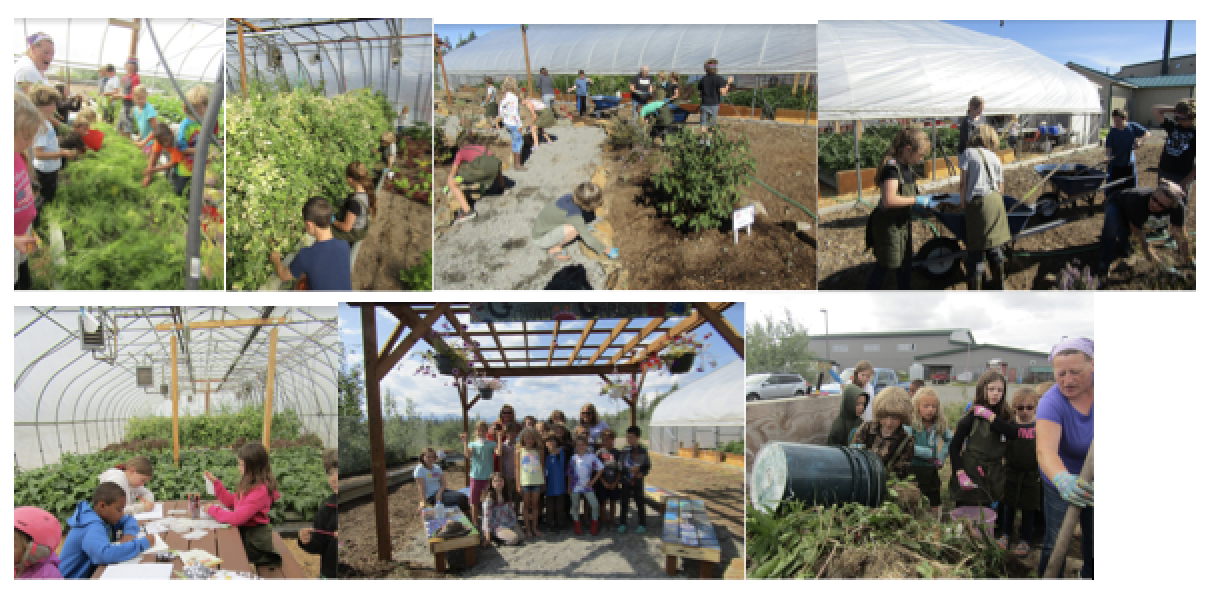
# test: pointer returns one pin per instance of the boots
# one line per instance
(998, 273)
(578, 527)
(517, 164)
(594, 527)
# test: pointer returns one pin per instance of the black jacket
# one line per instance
(326, 545)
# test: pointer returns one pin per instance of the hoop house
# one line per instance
(703, 412)
(84, 373)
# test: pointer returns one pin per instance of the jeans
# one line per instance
(548, 100)
(516, 139)
(581, 105)
(1009, 514)
(590, 497)
(179, 183)
(554, 510)
(1115, 232)
(1118, 172)
(707, 115)
(633, 489)
(1054, 508)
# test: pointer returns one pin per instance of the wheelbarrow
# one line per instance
(939, 257)
(604, 104)
(1071, 182)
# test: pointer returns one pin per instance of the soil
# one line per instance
(311, 564)
(845, 265)
(556, 555)
(399, 234)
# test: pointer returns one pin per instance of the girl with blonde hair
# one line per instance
(48, 156)
(27, 121)
(932, 440)
(889, 231)
(508, 109)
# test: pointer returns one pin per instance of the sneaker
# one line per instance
(622, 528)
(640, 529)
(465, 216)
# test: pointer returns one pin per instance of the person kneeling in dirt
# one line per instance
(561, 221)
(889, 232)
(887, 434)
(475, 167)
(1127, 211)
(983, 207)
(660, 116)
(327, 264)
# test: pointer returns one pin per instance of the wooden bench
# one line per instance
(657, 497)
(440, 546)
(688, 533)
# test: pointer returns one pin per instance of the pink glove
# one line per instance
(937, 463)
(964, 482)
(984, 413)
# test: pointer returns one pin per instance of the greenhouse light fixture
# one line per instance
(92, 334)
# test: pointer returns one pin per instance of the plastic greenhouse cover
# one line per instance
(192, 47)
(623, 49)
(713, 400)
(68, 401)
(898, 69)
(341, 66)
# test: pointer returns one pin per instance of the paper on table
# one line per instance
(144, 571)
(197, 556)
(209, 487)
(195, 535)
(157, 544)
(156, 513)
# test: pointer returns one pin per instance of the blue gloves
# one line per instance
(614, 253)
(858, 446)
(923, 452)
(1073, 489)
(925, 200)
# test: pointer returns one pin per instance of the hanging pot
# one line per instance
(682, 364)
(444, 364)
(485, 393)
(618, 392)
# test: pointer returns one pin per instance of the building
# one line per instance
(1138, 93)
(1177, 65)
(939, 350)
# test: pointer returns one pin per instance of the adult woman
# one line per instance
(983, 206)
(508, 108)
(1063, 436)
(31, 67)
(589, 417)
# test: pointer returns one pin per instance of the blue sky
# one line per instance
(1096, 44)
(454, 32)
(537, 396)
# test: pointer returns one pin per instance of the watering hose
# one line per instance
(782, 196)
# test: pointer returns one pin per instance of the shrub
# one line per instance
(221, 429)
(418, 278)
(698, 189)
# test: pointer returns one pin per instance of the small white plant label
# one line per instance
(743, 218)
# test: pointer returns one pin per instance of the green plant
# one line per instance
(220, 429)
(699, 187)
(737, 447)
(418, 278)
(169, 107)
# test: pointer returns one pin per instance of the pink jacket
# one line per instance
(47, 568)
(251, 510)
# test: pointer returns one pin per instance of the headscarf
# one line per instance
(1081, 344)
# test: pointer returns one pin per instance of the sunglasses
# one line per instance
(1024, 408)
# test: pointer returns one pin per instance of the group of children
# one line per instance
(104, 531)
(991, 449)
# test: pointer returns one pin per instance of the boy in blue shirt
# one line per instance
(327, 263)
(100, 534)
(556, 483)
(1120, 144)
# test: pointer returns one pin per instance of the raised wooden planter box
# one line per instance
(796, 116)
(737, 461)
(686, 452)
(712, 456)
(848, 182)
(739, 112)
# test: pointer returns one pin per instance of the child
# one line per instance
(1181, 145)
(100, 534)
(529, 475)
(530, 422)
(323, 538)
(542, 118)
(132, 477)
(561, 433)
(637, 464)
(48, 156)
(491, 103)
(506, 458)
(433, 485)
(914, 386)
(248, 507)
(129, 83)
(187, 135)
(886, 434)
(581, 432)
(357, 209)
(973, 120)
(1023, 482)
(556, 498)
(1015, 129)
(36, 535)
(1120, 145)
(327, 262)
(850, 415)
(145, 117)
(110, 92)
(983, 206)
(74, 140)
(161, 144)
(480, 454)
(932, 440)
(509, 110)
(558, 417)
(475, 166)
(563, 220)
(27, 121)
(889, 232)
(582, 86)
(979, 477)
(498, 518)
(388, 149)
(608, 486)
(585, 471)
(711, 87)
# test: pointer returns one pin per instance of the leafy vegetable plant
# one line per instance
(699, 187)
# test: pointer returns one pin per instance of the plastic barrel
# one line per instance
(816, 474)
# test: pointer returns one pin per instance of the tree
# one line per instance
(779, 346)
(350, 387)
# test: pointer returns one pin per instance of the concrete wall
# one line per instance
(796, 419)
(1177, 65)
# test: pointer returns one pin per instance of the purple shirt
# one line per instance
(1076, 429)
(47, 568)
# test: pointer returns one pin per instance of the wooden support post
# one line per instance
(723, 327)
(527, 64)
(270, 389)
(632, 413)
(207, 387)
(463, 392)
(795, 84)
(134, 38)
(242, 63)
(372, 392)
(175, 408)
(444, 71)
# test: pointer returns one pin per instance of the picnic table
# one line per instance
(226, 544)
(441, 546)
(687, 533)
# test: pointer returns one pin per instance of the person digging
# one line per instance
(659, 114)
(474, 168)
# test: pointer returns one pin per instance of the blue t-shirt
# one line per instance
(582, 86)
(143, 117)
(1121, 143)
(481, 466)
(555, 480)
(328, 264)
(1076, 434)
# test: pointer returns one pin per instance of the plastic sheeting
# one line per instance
(68, 400)
(717, 399)
(912, 69)
(340, 56)
(192, 47)
(623, 49)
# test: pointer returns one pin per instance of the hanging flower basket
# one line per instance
(445, 364)
(619, 392)
(682, 364)
(485, 393)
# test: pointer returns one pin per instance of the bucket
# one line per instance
(816, 474)
(93, 139)
(984, 516)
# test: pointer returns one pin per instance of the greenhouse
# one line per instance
(169, 235)
(703, 414)
(311, 99)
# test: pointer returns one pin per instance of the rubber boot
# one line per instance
(594, 527)
(517, 164)
(976, 280)
(998, 274)
(578, 527)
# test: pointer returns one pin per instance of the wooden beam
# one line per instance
(498, 342)
(242, 63)
(615, 332)
(684, 326)
(175, 407)
(795, 84)
(372, 390)
(641, 335)
(636, 399)
(581, 340)
(461, 392)
(221, 324)
(523, 29)
(269, 389)
(723, 327)
(134, 38)
(419, 328)
(393, 339)
(207, 399)
(469, 343)
(562, 371)
(553, 342)
(444, 71)
(124, 23)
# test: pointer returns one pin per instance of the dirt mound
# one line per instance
(875, 562)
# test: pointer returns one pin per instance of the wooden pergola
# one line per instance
(596, 351)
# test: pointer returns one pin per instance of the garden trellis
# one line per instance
(75, 391)
(335, 56)
(503, 345)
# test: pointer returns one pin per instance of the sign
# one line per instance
(515, 312)
(743, 218)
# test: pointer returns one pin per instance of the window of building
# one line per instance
(870, 347)
(906, 347)
(841, 348)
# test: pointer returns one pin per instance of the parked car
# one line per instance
(774, 386)
(884, 378)
(940, 378)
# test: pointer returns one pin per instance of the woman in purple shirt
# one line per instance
(1064, 434)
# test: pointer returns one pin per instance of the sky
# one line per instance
(1096, 44)
(1029, 320)
(537, 396)
(453, 33)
